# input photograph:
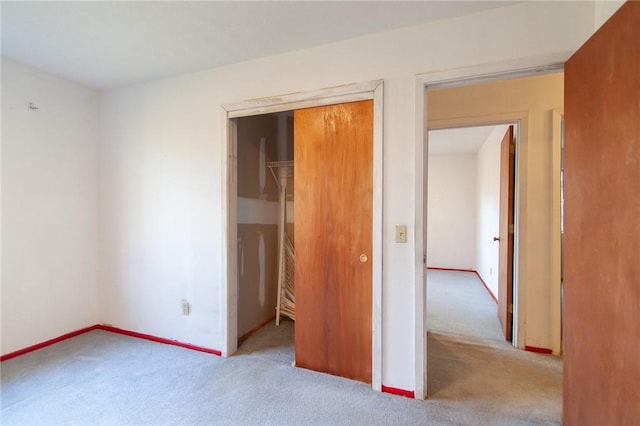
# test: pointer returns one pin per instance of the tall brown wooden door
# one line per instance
(602, 226)
(333, 238)
(505, 253)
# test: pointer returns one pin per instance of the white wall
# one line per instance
(451, 213)
(488, 208)
(49, 207)
(161, 158)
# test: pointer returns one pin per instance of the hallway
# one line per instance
(458, 304)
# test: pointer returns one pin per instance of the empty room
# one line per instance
(151, 240)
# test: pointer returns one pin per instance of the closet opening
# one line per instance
(265, 234)
(322, 123)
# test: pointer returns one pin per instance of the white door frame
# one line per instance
(520, 123)
(556, 234)
(349, 93)
(458, 77)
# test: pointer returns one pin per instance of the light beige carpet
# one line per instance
(101, 378)
(458, 304)
(502, 380)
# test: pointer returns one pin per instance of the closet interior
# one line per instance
(265, 221)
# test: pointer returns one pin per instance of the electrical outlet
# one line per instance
(185, 307)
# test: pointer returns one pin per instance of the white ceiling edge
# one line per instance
(460, 140)
(108, 44)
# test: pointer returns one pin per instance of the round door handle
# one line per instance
(496, 238)
(363, 258)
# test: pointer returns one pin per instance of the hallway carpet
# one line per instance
(459, 304)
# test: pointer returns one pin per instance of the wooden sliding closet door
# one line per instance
(333, 238)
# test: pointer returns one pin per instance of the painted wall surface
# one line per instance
(161, 157)
(488, 208)
(49, 207)
(451, 217)
(536, 97)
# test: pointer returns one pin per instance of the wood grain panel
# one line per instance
(602, 226)
(333, 213)
(505, 253)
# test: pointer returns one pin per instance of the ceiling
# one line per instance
(462, 140)
(107, 44)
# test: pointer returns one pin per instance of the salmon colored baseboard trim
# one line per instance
(495, 299)
(159, 339)
(538, 350)
(47, 343)
(435, 268)
(493, 296)
(112, 330)
(398, 391)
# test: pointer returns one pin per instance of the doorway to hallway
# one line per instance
(470, 207)
(531, 102)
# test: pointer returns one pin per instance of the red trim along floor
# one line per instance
(538, 350)
(387, 389)
(47, 343)
(493, 296)
(450, 269)
(112, 330)
(398, 391)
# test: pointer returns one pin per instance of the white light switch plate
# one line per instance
(401, 233)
